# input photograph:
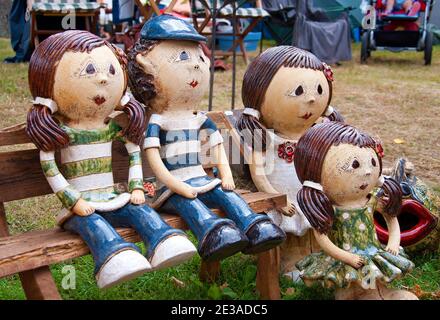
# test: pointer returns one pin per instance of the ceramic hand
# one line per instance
(228, 183)
(83, 208)
(288, 210)
(137, 196)
(354, 260)
(392, 248)
(187, 191)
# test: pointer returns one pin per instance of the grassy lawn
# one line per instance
(395, 97)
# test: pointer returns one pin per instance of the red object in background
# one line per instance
(381, 6)
(406, 25)
(420, 222)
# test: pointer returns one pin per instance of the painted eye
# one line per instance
(112, 70)
(299, 91)
(183, 56)
(201, 58)
(373, 162)
(320, 89)
(355, 164)
(90, 69)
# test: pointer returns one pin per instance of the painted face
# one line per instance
(88, 85)
(349, 173)
(294, 100)
(181, 73)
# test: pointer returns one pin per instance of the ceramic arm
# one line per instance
(162, 173)
(68, 195)
(337, 253)
(393, 230)
(135, 175)
(256, 167)
(221, 161)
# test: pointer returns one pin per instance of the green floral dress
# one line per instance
(353, 230)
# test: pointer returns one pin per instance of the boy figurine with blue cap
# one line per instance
(169, 73)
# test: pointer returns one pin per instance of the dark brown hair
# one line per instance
(41, 127)
(259, 75)
(141, 83)
(310, 154)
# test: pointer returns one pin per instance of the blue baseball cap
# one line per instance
(168, 27)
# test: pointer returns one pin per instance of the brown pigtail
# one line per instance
(393, 191)
(42, 129)
(317, 208)
(252, 131)
(137, 122)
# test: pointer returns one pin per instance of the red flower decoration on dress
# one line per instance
(150, 190)
(379, 150)
(328, 72)
(286, 151)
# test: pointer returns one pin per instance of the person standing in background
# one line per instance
(20, 29)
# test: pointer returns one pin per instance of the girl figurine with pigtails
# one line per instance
(340, 167)
(77, 80)
(286, 90)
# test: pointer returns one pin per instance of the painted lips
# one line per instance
(306, 116)
(194, 83)
(416, 222)
(99, 100)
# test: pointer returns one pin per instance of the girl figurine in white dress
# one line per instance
(285, 91)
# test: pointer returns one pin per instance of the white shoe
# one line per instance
(123, 266)
(172, 251)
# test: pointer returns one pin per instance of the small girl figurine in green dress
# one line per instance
(340, 167)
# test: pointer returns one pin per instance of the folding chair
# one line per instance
(152, 7)
(228, 9)
(59, 8)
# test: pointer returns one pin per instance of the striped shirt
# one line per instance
(86, 169)
(179, 144)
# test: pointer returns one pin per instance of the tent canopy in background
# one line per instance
(334, 8)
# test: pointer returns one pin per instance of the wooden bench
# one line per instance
(29, 254)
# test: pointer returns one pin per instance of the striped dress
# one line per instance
(86, 170)
(179, 144)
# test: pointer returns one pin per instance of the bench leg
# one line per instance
(209, 271)
(38, 284)
(268, 271)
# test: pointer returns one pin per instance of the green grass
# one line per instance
(360, 92)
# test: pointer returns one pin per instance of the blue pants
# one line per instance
(201, 219)
(97, 230)
(20, 30)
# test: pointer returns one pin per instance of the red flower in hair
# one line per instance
(286, 151)
(328, 72)
(379, 150)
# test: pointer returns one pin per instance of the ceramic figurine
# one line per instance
(419, 217)
(77, 80)
(285, 91)
(169, 73)
(339, 167)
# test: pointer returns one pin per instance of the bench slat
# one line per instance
(34, 249)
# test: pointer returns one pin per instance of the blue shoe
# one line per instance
(263, 236)
(221, 242)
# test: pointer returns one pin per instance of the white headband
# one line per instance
(380, 181)
(125, 99)
(313, 185)
(328, 112)
(52, 105)
(252, 112)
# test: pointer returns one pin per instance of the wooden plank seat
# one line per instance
(30, 253)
